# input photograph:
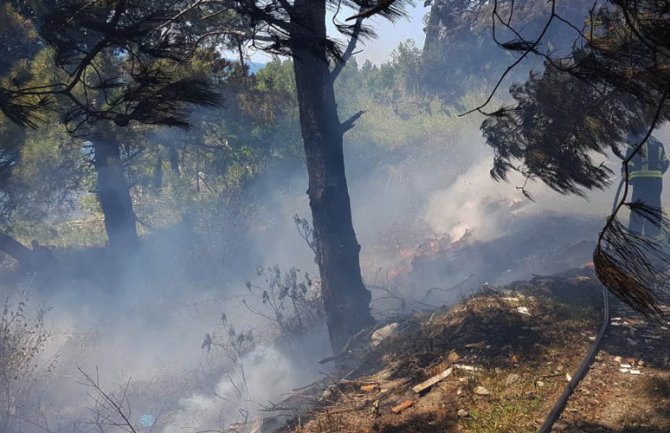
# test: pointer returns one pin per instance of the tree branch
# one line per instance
(349, 51)
(367, 13)
(349, 123)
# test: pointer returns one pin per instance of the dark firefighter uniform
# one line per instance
(645, 172)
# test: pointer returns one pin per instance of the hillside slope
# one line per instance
(505, 357)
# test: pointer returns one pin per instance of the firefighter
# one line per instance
(645, 174)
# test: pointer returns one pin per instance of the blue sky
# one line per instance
(378, 50)
(391, 34)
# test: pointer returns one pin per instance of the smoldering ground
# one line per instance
(410, 204)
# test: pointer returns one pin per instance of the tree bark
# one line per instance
(346, 300)
(157, 178)
(114, 194)
(173, 156)
(15, 249)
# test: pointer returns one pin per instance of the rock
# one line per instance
(462, 413)
(326, 394)
(617, 359)
(480, 390)
(640, 363)
(383, 333)
(512, 378)
(636, 372)
(539, 383)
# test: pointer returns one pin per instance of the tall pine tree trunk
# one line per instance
(173, 157)
(114, 195)
(346, 300)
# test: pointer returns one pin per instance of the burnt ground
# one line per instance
(511, 352)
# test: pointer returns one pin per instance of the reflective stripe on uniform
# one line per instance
(660, 154)
(648, 162)
(645, 173)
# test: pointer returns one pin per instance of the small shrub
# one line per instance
(22, 340)
(291, 300)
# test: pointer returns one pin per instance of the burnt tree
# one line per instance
(345, 297)
(297, 29)
(113, 193)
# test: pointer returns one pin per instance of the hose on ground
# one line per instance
(584, 367)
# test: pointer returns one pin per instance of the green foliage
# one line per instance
(18, 38)
(51, 169)
(199, 175)
(609, 87)
(554, 130)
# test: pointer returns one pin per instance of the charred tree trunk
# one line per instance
(15, 249)
(114, 195)
(173, 157)
(157, 180)
(346, 300)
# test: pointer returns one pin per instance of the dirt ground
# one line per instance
(511, 352)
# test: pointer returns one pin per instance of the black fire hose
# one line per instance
(584, 367)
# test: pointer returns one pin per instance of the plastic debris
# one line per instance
(523, 310)
(466, 367)
(369, 387)
(383, 333)
(147, 420)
